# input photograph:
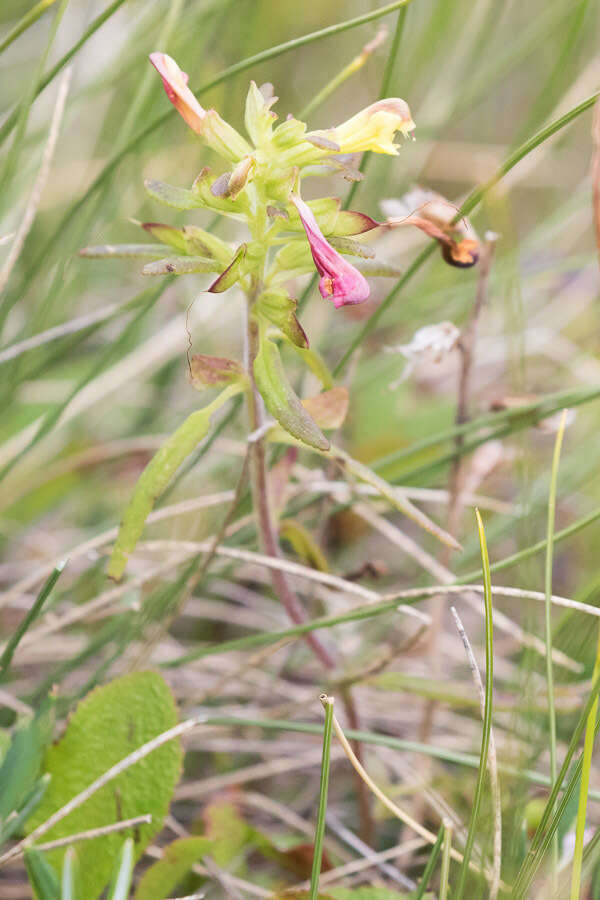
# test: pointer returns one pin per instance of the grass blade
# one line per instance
(428, 871)
(548, 620)
(25, 22)
(28, 619)
(324, 786)
(487, 718)
(588, 746)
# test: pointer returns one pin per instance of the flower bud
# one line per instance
(223, 139)
(175, 83)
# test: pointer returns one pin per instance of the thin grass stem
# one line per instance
(323, 789)
(487, 717)
(548, 621)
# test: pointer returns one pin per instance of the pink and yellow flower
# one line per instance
(339, 281)
(373, 128)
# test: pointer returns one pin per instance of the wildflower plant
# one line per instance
(287, 236)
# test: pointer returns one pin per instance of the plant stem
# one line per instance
(260, 497)
(270, 545)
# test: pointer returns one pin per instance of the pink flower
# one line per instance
(339, 281)
(175, 84)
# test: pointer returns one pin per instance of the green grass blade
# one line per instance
(25, 22)
(588, 747)
(323, 788)
(428, 870)
(151, 296)
(548, 619)
(11, 120)
(24, 108)
(28, 619)
(549, 822)
(487, 715)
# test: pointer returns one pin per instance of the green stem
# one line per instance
(320, 829)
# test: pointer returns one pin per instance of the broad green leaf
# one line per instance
(121, 880)
(157, 475)
(42, 877)
(280, 399)
(22, 762)
(111, 722)
(161, 879)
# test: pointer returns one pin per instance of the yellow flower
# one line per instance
(374, 128)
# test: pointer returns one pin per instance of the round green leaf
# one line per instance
(110, 723)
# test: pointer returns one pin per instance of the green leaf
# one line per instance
(42, 877)
(157, 475)
(280, 399)
(22, 762)
(280, 310)
(111, 722)
(232, 273)
(352, 248)
(163, 876)
(181, 265)
(121, 880)
(178, 198)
